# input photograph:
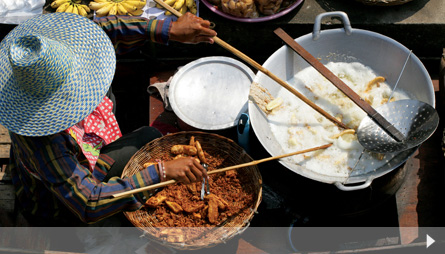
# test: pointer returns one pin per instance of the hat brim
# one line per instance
(84, 88)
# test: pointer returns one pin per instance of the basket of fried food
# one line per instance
(176, 215)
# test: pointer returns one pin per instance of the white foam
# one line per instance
(297, 126)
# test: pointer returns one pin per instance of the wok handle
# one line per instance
(317, 24)
(343, 187)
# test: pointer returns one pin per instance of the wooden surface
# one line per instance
(5, 142)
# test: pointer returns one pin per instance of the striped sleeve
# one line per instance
(57, 167)
(128, 32)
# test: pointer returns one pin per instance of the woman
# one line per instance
(67, 152)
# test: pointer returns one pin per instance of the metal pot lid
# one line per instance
(211, 93)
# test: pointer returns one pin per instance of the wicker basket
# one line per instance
(383, 2)
(213, 144)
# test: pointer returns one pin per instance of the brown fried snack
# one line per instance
(175, 207)
(183, 149)
(155, 201)
(212, 212)
(222, 204)
(200, 152)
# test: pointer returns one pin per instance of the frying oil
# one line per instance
(297, 126)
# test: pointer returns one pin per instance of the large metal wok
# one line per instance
(384, 55)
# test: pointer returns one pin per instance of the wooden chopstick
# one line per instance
(248, 164)
(263, 70)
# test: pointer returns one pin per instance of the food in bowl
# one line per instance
(251, 8)
(296, 126)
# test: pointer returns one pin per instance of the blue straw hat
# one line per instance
(54, 71)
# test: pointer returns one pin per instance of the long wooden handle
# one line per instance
(340, 84)
(248, 164)
(263, 70)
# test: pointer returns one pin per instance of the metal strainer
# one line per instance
(416, 120)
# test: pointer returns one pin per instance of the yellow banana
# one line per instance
(178, 5)
(183, 9)
(137, 12)
(190, 3)
(170, 2)
(113, 10)
(69, 8)
(121, 9)
(139, 4)
(96, 6)
(168, 13)
(104, 10)
(129, 7)
(75, 9)
(82, 10)
(194, 8)
(56, 3)
(85, 7)
(63, 7)
(102, 1)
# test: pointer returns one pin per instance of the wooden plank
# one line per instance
(4, 135)
(5, 143)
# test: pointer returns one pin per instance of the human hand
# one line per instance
(191, 29)
(185, 170)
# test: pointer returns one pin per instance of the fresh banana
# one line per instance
(72, 6)
(121, 9)
(138, 3)
(105, 10)
(63, 7)
(57, 3)
(69, 8)
(170, 2)
(180, 5)
(118, 7)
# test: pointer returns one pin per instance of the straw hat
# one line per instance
(54, 71)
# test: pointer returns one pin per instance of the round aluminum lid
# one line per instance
(211, 93)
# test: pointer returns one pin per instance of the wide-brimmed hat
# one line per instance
(54, 70)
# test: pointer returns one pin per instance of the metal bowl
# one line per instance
(211, 93)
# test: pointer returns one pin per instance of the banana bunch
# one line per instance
(118, 7)
(180, 5)
(73, 6)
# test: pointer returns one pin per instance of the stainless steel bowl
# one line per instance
(211, 93)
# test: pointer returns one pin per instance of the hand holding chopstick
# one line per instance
(263, 70)
(248, 164)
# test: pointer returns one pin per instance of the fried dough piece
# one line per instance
(179, 156)
(192, 141)
(192, 208)
(155, 201)
(183, 149)
(222, 204)
(375, 81)
(212, 212)
(191, 187)
(200, 152)
(175, 207)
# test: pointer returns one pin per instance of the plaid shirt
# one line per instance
(50, 173)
